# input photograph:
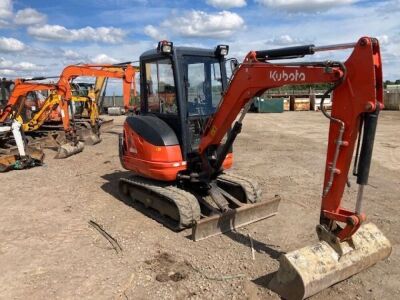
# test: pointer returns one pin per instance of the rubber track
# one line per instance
(250, 186)
(187, 204)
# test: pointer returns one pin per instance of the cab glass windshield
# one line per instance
(203, 84)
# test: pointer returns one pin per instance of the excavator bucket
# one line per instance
(13, 161)
(88, 136)
(235, 218)
(307, 271)
(67, 150)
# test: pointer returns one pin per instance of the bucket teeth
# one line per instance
(307, 271)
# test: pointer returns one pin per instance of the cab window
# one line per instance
(160, 87)
(204, 85)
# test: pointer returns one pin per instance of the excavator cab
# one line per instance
(182, 86)
(6, 87)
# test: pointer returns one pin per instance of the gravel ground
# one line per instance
(48, 249)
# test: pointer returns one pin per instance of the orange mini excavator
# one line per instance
(34, 116)
(178, 154)
(88, 128)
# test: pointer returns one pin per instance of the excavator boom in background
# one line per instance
(88, 128)
(130, 104)
(38, 112)
(180, 145)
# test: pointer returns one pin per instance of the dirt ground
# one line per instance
(48, 249)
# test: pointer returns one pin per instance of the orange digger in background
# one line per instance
(88, 121)
(176, 149)
(32, 113)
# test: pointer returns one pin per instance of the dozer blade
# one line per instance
(68, 150)
(235, 218)
(305, 272)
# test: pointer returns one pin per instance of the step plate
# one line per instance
(233, 219)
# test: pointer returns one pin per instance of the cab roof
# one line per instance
(181, 51)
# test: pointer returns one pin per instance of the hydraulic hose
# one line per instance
(341, 130)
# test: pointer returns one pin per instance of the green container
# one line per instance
(272, 105)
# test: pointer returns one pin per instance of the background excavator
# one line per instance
(15, 153)
(87, 102)
(180, 144)
(26, 112)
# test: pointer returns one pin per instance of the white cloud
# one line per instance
(5, 64)
(71, 54)
(4, 24)
(29, 16)
(154, 33)
(9, 65)
(56, 32)
(226, 3)
(201, 24)
(7, 72)
(11, 45)
(27, 66)
(303, 5)
(104, 59)
(6, 9)
(286, 40)
(383, 39)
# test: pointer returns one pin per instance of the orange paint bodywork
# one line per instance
(360, 91)
(156, 162)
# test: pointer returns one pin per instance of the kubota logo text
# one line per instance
(287, 76)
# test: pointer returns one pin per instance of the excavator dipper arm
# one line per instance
(357, 97)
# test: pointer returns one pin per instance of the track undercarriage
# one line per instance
(205, 213)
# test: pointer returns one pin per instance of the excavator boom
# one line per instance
(357, 93)
(357, 98)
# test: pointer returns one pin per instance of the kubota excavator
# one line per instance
(177, 151)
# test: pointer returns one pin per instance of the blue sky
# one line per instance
(40, 37)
